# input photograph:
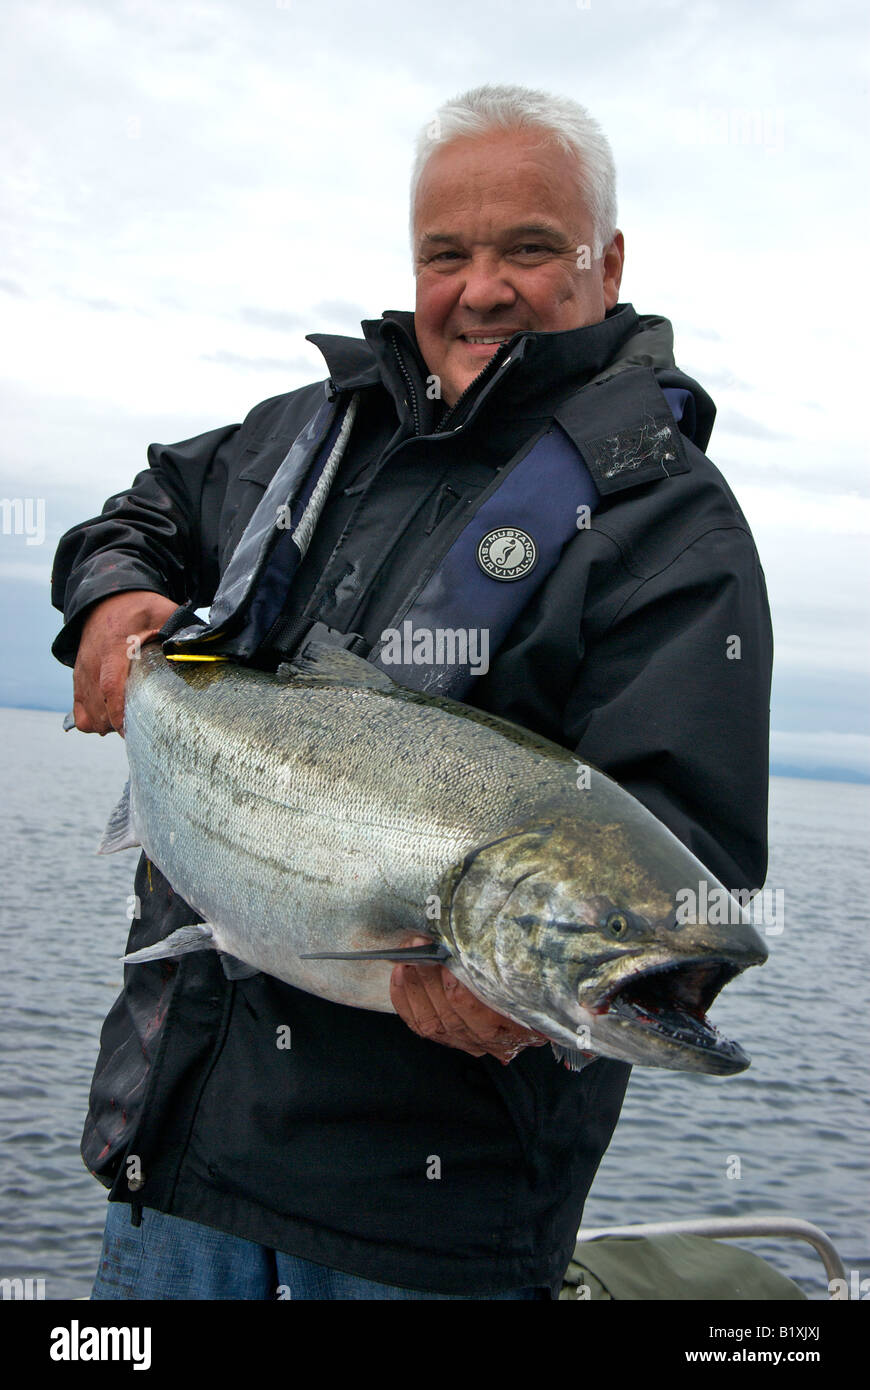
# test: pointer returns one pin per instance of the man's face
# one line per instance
(499, 230)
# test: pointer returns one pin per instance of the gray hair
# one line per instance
(510, 108)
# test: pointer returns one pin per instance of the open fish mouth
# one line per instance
(669, 1004)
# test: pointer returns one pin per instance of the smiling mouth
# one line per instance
(485, 340)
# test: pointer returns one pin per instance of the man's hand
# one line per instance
(434, 1004)
(104, 655)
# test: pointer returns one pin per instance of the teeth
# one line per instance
(468, 338)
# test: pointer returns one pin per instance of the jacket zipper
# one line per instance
(490, 370)
(474, 385)
(408, 382)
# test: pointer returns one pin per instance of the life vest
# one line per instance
(474, 582)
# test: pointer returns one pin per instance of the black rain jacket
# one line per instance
(626, 654)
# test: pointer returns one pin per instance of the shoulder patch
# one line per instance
(625, 430)
(654, 444)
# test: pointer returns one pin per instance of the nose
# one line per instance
(486, 286)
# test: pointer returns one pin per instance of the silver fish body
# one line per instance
(326, 811)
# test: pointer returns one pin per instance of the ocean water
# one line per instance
(789, 1136)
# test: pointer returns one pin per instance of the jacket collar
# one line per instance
(546, 366)
(579, 353)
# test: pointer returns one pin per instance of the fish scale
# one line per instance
(320, 814)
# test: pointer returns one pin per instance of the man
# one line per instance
(645, 644)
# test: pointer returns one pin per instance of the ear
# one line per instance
(611, 270)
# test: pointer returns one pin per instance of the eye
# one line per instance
(617, 924)
(533, 248)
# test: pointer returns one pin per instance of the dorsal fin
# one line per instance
(334, 666)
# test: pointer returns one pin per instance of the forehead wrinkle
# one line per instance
(558, 214)
(509, 233)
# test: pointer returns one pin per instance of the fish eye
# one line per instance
(617, 924)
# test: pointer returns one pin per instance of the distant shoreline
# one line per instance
(819, 773)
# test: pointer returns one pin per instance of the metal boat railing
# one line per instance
(723, 1227)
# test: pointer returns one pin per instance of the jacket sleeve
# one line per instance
(161, 534)
(673, 702)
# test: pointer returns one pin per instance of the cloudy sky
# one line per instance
(190, 188)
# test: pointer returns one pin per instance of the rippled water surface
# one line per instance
(795, 1126)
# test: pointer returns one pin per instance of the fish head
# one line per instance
(583, 934)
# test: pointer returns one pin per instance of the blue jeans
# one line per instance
(168, 1257)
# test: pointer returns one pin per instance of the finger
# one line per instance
(501, 1037)
(432, 1019)
(113, 679)
(451, 1000)
(89, 706)
(478, 1017)
(438, 1006)
(83, 720)
(428, 1016)
(460, 1019)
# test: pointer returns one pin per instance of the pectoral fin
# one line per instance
(435, 954)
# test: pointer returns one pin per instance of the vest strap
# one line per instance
(473, 587)
(445, 635)
(255, 584)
